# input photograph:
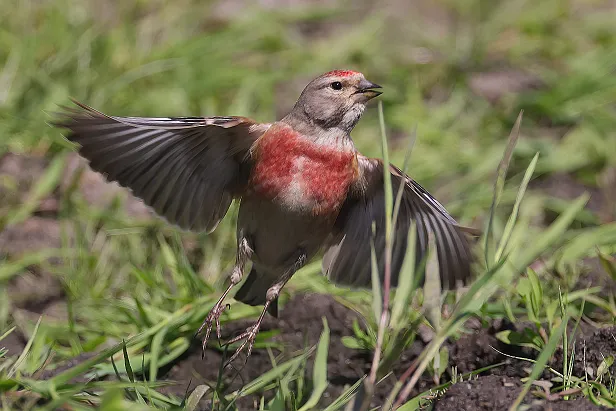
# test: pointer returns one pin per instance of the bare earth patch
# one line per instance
(300, 326)
(493, 392)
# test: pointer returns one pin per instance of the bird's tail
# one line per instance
(254, 290)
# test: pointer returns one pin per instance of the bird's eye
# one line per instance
(336, 85)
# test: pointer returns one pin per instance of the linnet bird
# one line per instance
(301, 183)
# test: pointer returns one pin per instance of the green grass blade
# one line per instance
(400, 192)
(319, 374)
(386, 174)
(346, 396)
(516, 207)
(10, 330)
(198, 308)
(155, 352)
(406, 280)
(115, 369)
(272, 375)
(541, 361)
(432, 287)
(193, 400)
(129, 369)
(499, 183)
(377, 294)
(22, 357)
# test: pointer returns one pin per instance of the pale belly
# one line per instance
(277, 234)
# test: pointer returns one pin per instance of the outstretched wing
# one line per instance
(347, 261)
(188, 169)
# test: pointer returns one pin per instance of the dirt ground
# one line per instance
(494, 392)
(300, 326)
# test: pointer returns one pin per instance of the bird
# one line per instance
(302, 186)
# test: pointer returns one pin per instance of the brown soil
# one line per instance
(481, 349)
(590, 351)
(493, 392)
(300, 326)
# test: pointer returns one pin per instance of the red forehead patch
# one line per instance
(342, 73)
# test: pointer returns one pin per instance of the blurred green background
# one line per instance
(100, 269)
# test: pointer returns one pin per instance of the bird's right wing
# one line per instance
(348, 260)
(188, 169)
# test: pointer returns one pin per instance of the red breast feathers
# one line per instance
(295, 171)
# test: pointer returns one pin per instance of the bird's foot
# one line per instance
(249, 337)
(213, 317)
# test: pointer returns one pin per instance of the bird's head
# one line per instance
(335, 99)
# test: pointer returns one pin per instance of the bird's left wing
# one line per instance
(348, 259)
(188, 169)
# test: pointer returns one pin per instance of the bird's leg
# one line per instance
(272, 293)
(244, 252)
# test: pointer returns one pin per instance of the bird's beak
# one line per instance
(367, 89)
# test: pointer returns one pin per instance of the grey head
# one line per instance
(333, 102)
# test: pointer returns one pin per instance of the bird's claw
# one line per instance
(249, 337)
(213, 317)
